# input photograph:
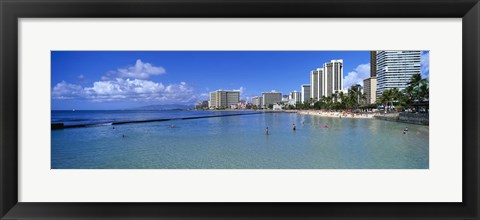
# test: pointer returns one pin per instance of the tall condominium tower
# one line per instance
(395, 69)
(333, 72)
(327, 80)
(314, 75)
(370, 89)
(305, 93)
(223, 99)
(373, 63)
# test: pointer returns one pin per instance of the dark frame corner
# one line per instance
(11, 10)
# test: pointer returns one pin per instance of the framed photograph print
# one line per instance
(209, 109)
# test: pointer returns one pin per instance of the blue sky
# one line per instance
(127, 79)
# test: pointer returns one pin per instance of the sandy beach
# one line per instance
(344, 114)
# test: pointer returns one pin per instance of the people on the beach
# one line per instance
(266, 131)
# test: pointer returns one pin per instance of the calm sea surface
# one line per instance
(236, 142)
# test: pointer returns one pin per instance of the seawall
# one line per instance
(406, 117)
(57, 126)
(414, 118)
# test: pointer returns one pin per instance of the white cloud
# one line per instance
(241, 89)
(204, 96)
(129, 84)
(64, 90)
(425, 64)
(140, 70)
(357, 76)
(127, 90)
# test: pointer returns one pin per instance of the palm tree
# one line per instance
(355, 95)
(343, 100)
(328, 102)
(417, 90)
(389, 96)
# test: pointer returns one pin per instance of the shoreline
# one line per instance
(326, 114)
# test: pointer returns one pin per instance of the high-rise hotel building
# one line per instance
(370, 84)
(373, 63)
(314, 82)
(370, 89)
(305, 93)
(327, 80)
(223, 99)
(395, 69)
(270, 98)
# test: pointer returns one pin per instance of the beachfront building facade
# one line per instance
(305, 94)
(224, 99)
(332, 77)
(295, 97)
(270, 98)
(394, 69)
(327, 80)
(314, 83)
(370, 89)
(257, 101)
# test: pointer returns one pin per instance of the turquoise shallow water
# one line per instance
(239, 142)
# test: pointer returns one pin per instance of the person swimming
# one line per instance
(123, 135)
(172, 126)
(266, 131)
(405, 130)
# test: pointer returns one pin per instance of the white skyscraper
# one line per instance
(314, 85)
(395, 69)
(305, 93)
(327, 80)
(333, 77)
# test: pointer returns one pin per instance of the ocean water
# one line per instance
(240, 142)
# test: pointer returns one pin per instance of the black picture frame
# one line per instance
(12, 10)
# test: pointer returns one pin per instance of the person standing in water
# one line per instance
(405, 130)
(294, 127)
(266, 131)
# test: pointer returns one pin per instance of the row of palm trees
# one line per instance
(337, 101)
(417, 91)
